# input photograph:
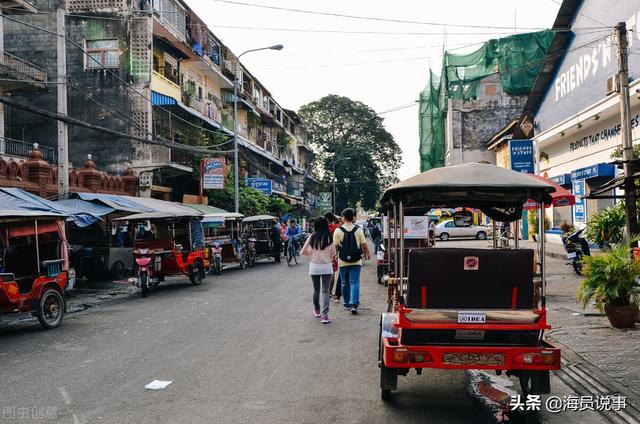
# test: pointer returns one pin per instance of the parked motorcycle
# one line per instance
(216, 254)
(382, 265)
(576, 247)
(145, 277)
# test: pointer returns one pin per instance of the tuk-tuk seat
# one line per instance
(449, 278)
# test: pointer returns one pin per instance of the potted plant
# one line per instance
(609, 281)
(606, 226)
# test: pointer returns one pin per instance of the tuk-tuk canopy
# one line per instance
(117, 202)
(86, 213)
(260, 218)
(500, 193)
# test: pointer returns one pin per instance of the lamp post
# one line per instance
(336, 160)
(235, 123)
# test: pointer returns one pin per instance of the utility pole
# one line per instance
(63, 130)
(625, 127)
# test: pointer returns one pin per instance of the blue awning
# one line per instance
(158, 99)
(119, 203)
(562, 179)
(86, 213)
(597, 170)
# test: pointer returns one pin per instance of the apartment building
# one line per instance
(152, 69)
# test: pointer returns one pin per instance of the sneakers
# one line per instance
(347, 307)
(354, 310)
(316, 313)
(325, 319)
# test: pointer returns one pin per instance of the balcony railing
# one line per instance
(21, 69)
(23, 149)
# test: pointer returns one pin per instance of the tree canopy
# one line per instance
(343, 128)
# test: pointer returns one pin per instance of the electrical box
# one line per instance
(612, 85)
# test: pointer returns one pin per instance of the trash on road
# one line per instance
(158, 385)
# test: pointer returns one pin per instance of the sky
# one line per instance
(383, 64)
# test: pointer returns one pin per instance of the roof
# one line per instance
(555, 53)
(472, 184)
(224, 215)
(86, 213)
(22, 213)
(205, 208)
(259, 218)
(119, 203)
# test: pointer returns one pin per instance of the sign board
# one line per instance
(415, 227)
(521, 156)
(213, 173)
(260, 184)
(324, 201)
(597, 170)
(579, 209)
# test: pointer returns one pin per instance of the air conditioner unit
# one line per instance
(612, 85)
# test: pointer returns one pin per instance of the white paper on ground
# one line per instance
(158, 385)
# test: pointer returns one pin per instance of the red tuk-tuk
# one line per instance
(167, 243)
(466, 308)
(34, 265)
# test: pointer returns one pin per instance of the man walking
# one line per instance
(352, 248)
(276, 239)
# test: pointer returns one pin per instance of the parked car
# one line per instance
(448, 229)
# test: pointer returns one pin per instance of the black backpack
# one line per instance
(349, 249)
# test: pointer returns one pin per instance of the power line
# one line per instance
(370, 18)
(397, 108)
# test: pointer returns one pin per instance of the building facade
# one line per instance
(153, 70)
(578, 118)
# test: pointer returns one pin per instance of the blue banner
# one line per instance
(597, 170)
(521, 156)
(579, 209)
(263, 185)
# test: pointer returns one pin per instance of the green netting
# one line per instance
(517, 59)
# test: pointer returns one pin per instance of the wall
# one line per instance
(474, 122)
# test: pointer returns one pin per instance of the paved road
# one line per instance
(241, 348)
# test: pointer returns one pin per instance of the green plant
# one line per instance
(606, 225)
(283, 140)
(610, 278)
(277, 206)
(532, 218)
(253, 121)
(188, 92)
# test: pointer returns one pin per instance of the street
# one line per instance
(240, 348)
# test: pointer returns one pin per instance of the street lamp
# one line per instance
(235, 123)
(335, 179)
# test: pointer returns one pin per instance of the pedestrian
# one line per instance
(376, 235)
(321, 251)
(276, 240)
(352, 248)
(334, 223)
(283, 235)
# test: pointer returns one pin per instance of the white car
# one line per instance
(448, 229)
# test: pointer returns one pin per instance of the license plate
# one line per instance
(469, 335)
(572, 255)
(471, 317)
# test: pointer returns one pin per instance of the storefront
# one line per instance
(577, 123)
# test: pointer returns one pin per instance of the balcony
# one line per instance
(22, 149)
(163, 85)
(12, 67)
(94, 6)
(18, 7)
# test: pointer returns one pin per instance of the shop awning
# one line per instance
(597, 170)
(562, 179)
(603, 192)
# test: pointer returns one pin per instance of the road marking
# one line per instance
(65, 395)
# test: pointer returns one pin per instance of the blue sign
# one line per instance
(521, 155)
(598, 170)
(579, 209)
(561, 179)
(265, 186)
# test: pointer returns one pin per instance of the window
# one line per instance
(200, 93)
(450, 224)
(102, 53)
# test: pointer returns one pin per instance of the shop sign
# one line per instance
(579, 212)
(521, 156)
(415, 227)
(561, 179)
(594, 138)
(263, 185)
(324, 201)
(597, 170)
(213, 173)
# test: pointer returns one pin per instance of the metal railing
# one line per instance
(22, 69)
(23, 149)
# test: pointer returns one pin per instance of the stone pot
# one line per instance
(622, 316)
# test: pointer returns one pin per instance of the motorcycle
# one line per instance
(216, 254)
(145, 276)
(382, 265)
(576, 247)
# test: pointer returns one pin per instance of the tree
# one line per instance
(252, 201)
(340, 128)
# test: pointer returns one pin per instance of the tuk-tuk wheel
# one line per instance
(388, 376)
(197, 273)
(51, 309)
(118, 270)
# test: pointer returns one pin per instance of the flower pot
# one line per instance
(622, 316)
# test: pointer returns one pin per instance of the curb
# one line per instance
(588, 380)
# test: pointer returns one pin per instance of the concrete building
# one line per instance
(153, 70)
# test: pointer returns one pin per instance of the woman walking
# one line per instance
(320, 250)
